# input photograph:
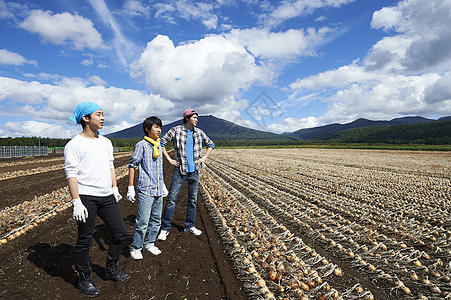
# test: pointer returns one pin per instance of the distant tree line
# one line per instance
(33, 141)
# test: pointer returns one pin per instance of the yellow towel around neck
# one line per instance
(156, 144)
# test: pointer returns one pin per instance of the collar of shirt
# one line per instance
(186, 129)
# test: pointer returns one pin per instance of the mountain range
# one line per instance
(221, 130)
(315, 132)
(215, 128)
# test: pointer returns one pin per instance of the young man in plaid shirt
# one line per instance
(188, 141)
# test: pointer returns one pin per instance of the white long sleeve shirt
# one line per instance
(90, 162)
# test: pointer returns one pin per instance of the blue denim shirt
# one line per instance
(150, 178)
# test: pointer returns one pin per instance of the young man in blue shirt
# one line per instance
(188, 141)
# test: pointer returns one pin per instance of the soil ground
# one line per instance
(39, 265)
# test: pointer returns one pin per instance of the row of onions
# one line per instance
(39, 170)
(17, 220)
(27, 160)
(403, 251)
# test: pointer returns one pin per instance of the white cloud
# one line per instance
(261, 42)
(9, 10)
(87, 62)
(292, 9)
(422, 28)
(23, 91)
(392, 96)
(339, 78)
(5, 12)
(440, 92)
(11, 58)
(353, 93)
(198, 73)
(63, 28)
(48, 77)
(164, 11)
(199, 11)
(211, 22)
(97, 80)
(118, 127)
(293, 124)
(387, 53)
(57, 101)
(136, 8)
(35, 128)
(388, 18)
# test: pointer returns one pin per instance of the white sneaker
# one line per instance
(193, 230)
(136, 254)
(152, 249)
(163, 235)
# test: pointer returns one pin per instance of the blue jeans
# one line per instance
(108, 210)
(148, 220)
(176, 184)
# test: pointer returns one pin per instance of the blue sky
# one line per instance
(277, 66)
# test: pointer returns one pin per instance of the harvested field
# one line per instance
(330, 224)
(285, 223)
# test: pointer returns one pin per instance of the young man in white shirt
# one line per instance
(91, 177)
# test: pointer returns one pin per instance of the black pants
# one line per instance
(109, 212)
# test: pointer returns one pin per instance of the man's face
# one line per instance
(154, 132)
(96, 120)
(193, 120)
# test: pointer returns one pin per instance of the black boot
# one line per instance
(86, 285)
(113, 272)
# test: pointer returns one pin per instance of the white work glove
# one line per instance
(131, 194)
(165, 191)
(80, 213)
(116, 194)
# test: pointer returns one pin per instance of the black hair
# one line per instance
(185, 119)
(148, 123)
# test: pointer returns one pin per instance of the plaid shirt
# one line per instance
(178, 134)
(150, 179)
